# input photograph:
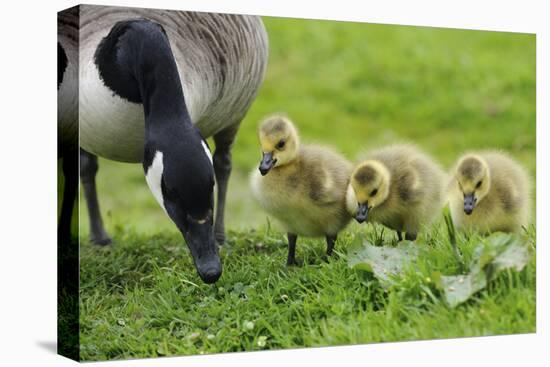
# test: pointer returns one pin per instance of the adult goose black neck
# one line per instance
(136, 62)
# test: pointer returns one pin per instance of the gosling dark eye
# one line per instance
(280, 145)
(478, 185)
(374, 192)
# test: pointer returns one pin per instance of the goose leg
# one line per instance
(88, 171)
(222, 170)
(70, 172)
(291, 259)
(330, 244)
(399, 236)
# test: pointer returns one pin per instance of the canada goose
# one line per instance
(153, 85)
(302, 186)
(489, 192)
(398, 186)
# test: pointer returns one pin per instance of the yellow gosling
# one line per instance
(303, 187)
(398, 186)
(489, 192)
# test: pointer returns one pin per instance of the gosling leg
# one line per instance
(291, 259)
(330, 244)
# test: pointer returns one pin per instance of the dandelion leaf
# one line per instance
(498, 252)
(383, 262)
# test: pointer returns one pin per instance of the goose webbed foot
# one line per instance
(101, 239)
(292, 262)
(409, 236)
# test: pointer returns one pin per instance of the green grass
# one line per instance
(353, 86)
(141, 298)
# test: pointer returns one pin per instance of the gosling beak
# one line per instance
(362, 211)
(469, 203)
(267, 163)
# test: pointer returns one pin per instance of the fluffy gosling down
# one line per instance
(303, 187)
(398, 186)
(489, 192)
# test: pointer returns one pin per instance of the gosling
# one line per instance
(303, 187)
(489, 192)
(398, 186)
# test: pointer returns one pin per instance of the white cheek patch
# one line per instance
(154, 177)
(206, 150)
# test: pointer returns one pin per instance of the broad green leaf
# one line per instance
(498, 252)
(384, 262)
(515, 256)
(458, 288)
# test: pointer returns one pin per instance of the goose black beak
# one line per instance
(203, 247)
(362, 212)
(469, 203)
(267, 163)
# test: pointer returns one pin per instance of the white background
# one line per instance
(28, 182)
